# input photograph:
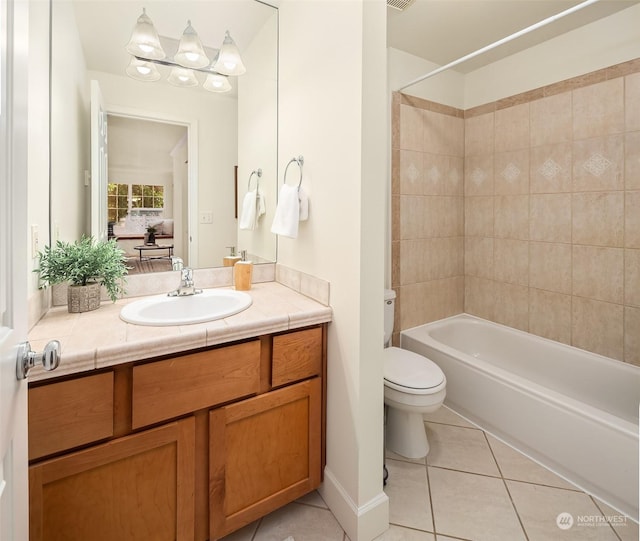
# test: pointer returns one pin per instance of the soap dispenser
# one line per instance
(242, 273)
(231, 259)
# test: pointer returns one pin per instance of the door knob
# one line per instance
(27, 359)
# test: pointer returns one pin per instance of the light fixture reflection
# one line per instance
(142, 71)
(216, 83)
(182, 77)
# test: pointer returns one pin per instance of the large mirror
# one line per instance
(178, 160)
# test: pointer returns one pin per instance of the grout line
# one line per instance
(433, 515)
(255, 532)
(504, 482)
(604, 515)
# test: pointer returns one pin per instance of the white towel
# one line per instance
(261, 205)
(287, 217)
(303, 197)
(253, 206)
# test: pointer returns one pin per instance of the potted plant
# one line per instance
(86, 265)
(151, 235)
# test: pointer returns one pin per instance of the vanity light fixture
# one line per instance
(147, 51)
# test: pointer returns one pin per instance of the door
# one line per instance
(14, 33)
(264, 452)
(99, 164)
(139, 487)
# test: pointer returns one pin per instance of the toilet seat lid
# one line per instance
(405, 370)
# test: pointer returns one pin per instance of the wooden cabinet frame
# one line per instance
(184, 413)
(283, 426)
(100, 510)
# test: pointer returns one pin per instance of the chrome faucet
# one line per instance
(176, 263)
(186, 286)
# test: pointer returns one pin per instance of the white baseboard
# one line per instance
(362, 523)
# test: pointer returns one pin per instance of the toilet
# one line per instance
(413, 385)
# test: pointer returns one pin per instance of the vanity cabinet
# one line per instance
(264, 453)
(190, 446)
(131, 488)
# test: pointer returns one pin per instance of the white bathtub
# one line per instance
(573, 411)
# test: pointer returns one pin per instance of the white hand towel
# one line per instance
(261, 205)
(303, 197)
(248, 216)
(285, 221)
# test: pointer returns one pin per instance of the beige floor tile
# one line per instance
(459, 448)
(396, 456)
(447, 416)
(515, 465)
(313, 498)
(540, 506)
(398, 533)
(243, 534)
(627, 529)
(409, 503)
(302, 522)
(472, 507)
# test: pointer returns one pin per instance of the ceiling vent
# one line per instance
(400, 5)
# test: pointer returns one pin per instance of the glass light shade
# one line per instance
(142, 71)
(229, 61)
(182, 77)
(144, 40)
(190, 51)
(216, 83)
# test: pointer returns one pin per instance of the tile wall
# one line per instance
(551, 225)
(428, 211)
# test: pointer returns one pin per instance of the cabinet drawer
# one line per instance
(296, 356)
(167, 389)
(70, 413)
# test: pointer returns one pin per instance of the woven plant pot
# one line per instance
(83, 298)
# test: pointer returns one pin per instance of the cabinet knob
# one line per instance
(27, 358)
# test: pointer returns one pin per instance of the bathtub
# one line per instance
(573, 411)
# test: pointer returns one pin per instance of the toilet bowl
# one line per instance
(413, 385)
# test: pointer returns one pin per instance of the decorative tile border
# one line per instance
(580, 81)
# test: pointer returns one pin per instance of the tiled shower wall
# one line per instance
(551, 221)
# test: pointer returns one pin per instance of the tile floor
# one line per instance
(472, 487)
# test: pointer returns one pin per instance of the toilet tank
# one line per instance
(389, 309)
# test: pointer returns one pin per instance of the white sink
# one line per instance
(163, 310)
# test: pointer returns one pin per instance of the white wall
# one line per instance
(446, 88)
(603, 43)
(333, 112)
(38, 141)
(216, 118)
(70, 141)
(258, 134)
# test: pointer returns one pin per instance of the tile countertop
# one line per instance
(99, 339)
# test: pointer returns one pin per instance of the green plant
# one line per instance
(151, 229)
(84, 261)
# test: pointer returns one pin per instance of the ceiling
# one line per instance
(142, 145)
(442, 31)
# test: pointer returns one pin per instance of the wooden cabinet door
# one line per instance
(264, 452)
(132, 488)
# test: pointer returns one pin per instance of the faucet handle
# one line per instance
(176, 263)
(187, 274)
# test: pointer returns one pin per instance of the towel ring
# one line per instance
(258, 173)
(300, 161)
